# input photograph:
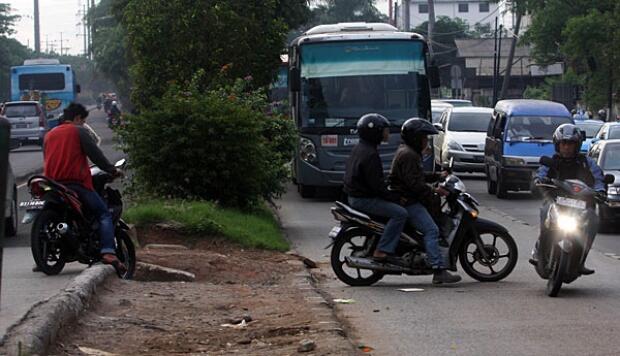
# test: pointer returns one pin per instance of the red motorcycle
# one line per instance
(63, 231)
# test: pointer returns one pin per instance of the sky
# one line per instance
(58, 16)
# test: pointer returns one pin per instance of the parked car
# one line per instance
(520, 132)
(462, 134)
(457, 102)
(28, 121)
(10, 205)
(437, 108)
(607, 154)
(591, 128)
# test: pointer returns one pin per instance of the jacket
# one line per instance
(408, 179)
(363, 176)
(582, 168)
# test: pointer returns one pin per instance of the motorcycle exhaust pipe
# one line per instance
(366, 263)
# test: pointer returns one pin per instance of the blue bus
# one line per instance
(46, 81)
(337, 73)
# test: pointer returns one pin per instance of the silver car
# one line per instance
(10, 205)
(28, 121)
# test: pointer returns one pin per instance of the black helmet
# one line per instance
(414, 130)
(567, 132)
(370, 127)
(602, 114)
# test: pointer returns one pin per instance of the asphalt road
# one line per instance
(512, 317)
(22, 288)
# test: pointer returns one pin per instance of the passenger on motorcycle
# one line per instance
(66, 151)
(408, 179)
(366, 187)
(568, 163)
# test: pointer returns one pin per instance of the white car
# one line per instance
(462, 135)
(437, 108)
(10, 205)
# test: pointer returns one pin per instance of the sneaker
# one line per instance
(110, 259)
(36, 269)
(442, 276)
(585, 271)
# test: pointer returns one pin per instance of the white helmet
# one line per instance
(114, 103)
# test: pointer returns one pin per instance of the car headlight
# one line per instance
(567, 223)
(307, 150)
(514, 161)
(613, 190)
(453, 145)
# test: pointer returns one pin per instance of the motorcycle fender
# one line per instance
(566, 246)
(488, 225)
(335, 232)
(123, 225)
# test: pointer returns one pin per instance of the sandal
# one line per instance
(110, 259)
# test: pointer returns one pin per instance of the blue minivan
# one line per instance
(519, 133)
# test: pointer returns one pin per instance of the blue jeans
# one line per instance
(99, 209)
(423, 222)
(394, 226)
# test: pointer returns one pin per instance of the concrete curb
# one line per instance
(39, 328)
(308, 282)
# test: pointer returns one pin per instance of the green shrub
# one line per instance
(214, 144)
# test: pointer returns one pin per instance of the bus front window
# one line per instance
(341, 81)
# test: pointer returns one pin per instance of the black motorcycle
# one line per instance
(485, 249)
(564, 249)
(64, 231)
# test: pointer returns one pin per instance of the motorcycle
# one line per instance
(63, 231)
(465, 236)
(114, 120)
(565, 248)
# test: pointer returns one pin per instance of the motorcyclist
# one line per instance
(115, 113)
(407, 178)
(366, 187)
(67, 149)
(602, 114)
(568, 163)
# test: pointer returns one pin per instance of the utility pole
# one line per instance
(495, 64)
(431, 24)
(407, 15)
(499, 60)
(91, 50)
(37, 30)
(511, 54)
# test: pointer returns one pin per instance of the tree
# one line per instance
(6, 20)
(446, 30)
(11, 51)
(334, 11)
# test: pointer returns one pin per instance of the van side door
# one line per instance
(494, 145)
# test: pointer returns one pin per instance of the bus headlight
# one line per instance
(307, 150)
(567, 223)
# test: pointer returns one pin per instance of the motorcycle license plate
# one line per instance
(334, 232)
(571, 203)
(34, 204)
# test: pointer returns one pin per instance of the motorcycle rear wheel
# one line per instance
(43, 250)
(126, 252)
(355, 240)
(556, 277)
(471, 259)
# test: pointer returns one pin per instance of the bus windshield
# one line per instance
(42, 81)
(343, 80)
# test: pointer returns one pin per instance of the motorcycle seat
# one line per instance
(352, 211)
(380, 219)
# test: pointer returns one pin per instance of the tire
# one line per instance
(306, 191)
(126, 252)
(501, 191)
(491, 185)
(11, 223)
(512, 254)
(337, 263)
(556, 277)
(38, 243)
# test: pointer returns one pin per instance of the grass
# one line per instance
(257, 229)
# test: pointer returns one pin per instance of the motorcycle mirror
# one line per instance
(546, 161)
(120, 163)
(609, 178)
(451, 164)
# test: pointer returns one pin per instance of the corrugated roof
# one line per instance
(484, 47)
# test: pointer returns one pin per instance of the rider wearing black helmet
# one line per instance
(366, 187)
(407, 178)
(602, 115)
(568, 163)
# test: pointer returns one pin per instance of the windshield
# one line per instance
(611, 158)
(590, 129)
(341, 81)
(524, 128)
(469, 121)
(20, 110)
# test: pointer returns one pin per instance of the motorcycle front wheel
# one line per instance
(501, 256)
(45, 243)
(126, 252)
(352, 243)
(556, 277)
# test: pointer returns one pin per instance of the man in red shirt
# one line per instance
(66, 151)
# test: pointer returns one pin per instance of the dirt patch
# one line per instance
(246, 302)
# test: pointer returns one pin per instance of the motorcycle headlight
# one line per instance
(613, 190)
(453, 145)
(567, 223)
(514, 161)
(307, 150)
